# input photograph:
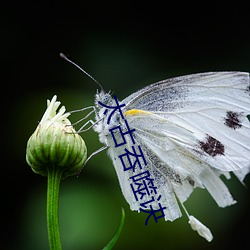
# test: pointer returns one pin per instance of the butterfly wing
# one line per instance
(213, 107)
(191, 130)
(173, 160)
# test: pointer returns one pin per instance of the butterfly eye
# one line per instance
(106, 99)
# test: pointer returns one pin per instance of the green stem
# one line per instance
(54, 177)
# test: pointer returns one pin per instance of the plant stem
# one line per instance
(54, 177)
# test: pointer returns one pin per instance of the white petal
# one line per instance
(51, 114)
(200, 228)
(50, 109)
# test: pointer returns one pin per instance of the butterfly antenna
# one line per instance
(86, 73)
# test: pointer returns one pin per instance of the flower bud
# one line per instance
(55, 144)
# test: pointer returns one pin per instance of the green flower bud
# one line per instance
(55, 144)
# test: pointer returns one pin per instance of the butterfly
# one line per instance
(186, 132)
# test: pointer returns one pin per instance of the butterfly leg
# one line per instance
(82, 128)
(86, 116)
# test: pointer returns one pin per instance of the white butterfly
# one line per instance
(190, 129)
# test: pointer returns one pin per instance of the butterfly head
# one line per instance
(103, 97)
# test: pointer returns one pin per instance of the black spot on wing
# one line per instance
(212, 146)
(233, 119)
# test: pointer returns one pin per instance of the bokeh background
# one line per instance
(125, 45)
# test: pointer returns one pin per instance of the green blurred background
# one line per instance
(125, 46)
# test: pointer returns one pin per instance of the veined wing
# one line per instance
(210, 109)
(171, 152)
